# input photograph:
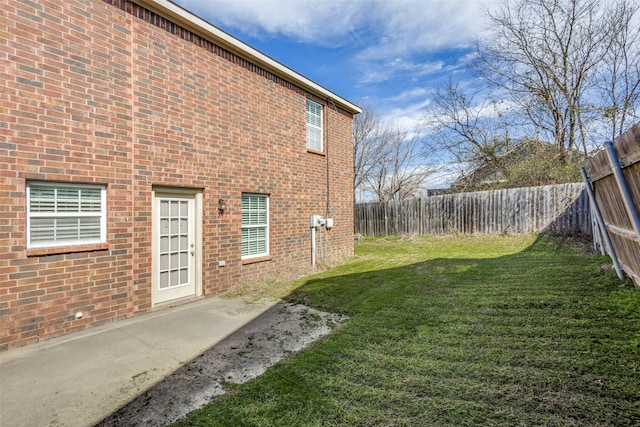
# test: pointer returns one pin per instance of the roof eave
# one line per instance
(200, 26)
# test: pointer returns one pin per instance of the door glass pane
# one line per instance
(164, 244)
(174, 243)
(175, 278)
(174, 260)
(164, 280)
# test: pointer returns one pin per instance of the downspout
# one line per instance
(313, 246)
(328, 208)
(328, 187)
(326, 152)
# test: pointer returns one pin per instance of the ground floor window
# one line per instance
(65, 214)
(255, 225)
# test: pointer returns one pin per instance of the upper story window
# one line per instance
(65, 214)
(314, 126)
(255, 225)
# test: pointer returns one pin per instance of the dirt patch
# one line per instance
(246, 354)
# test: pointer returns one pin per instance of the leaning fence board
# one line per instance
(561, 208)
(617, 213)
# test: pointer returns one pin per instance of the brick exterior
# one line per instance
(107, 92)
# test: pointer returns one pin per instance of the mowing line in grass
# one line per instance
(494, 330)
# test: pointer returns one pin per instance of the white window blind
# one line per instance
(62, 214)
(314, 125)
(255, 225)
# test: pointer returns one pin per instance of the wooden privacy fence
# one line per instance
(614, 182)
(561, 208)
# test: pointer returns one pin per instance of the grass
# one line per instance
(503, 330)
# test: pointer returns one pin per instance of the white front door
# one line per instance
(175, 246)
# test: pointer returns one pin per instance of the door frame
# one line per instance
(187, 193)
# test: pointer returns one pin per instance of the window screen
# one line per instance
(61, 214)
(314, 125)
(255, 225)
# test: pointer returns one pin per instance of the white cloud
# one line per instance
(410, 26)
(394, 26)
(386, 69)
(408, 116)
(388, 39)
(395, 45)
(318, 22)
(411, 95)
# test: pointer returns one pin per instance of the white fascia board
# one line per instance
(200, 26)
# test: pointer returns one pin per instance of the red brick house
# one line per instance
(149, 158)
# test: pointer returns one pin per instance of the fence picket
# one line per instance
(562, 208)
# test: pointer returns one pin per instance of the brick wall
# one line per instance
(94, 94)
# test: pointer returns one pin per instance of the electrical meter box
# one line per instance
(316, 221)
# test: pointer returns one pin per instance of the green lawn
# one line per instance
(502, 330)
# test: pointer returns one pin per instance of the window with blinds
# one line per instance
(314, 125)
(62, 214)
(255, 225)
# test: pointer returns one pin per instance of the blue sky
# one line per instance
(389, 54)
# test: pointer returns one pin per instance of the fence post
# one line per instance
(601, 223)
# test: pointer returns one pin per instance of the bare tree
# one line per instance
(476, 134)
(367, 137)
(619, 77)
(401, 166)
(547, 56)
(473, 132)
(569, 72)
(389, 162)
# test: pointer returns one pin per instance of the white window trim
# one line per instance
(102, 214)
(265, 226)
(310, 125)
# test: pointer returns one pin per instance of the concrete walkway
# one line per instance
(82, 378)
